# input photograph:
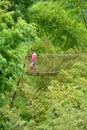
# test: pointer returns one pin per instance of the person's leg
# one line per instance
(34, 66)
(31, 66)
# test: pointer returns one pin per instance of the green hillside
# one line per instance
(54, 97)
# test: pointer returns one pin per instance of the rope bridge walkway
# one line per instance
(49, 65)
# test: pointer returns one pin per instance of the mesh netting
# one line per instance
(53, 63)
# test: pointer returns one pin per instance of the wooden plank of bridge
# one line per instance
(42, 73)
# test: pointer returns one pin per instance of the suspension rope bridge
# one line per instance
(50, 65)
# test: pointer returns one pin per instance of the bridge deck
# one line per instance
(42, 73)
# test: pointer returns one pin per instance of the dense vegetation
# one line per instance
(43, 102)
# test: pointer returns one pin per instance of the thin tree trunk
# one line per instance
(15, 93)
(82, 13)
(83, 16)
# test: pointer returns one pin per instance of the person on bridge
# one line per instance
(33, 61)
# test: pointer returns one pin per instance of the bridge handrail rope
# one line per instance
(59, 55)
(63, 55)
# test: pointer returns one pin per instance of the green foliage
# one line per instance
(76, 8)
(27, 31)
(12, 35)
(10, 119)
(54, 22)
(20, 7)
(5, 5)
(23, 2)
(66, 97)
(43, 47)
(62, 105)
(43, 102)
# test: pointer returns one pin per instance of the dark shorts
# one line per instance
(32, 64)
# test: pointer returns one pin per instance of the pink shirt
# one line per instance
(33, 57)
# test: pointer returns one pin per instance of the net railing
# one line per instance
(53, 62)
